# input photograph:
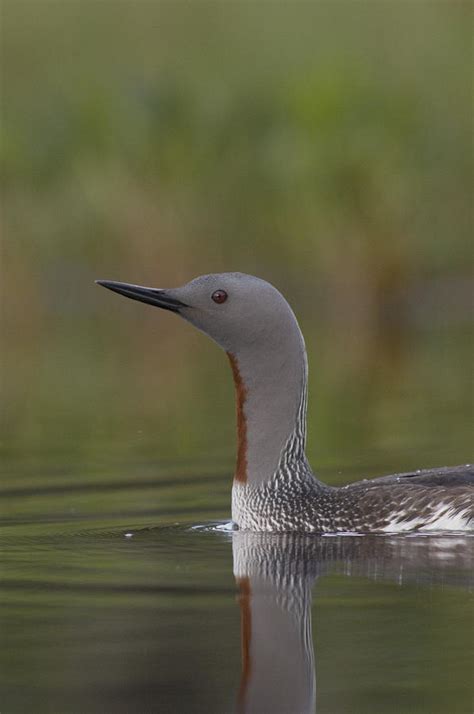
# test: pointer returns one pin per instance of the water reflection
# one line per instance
(275, 575)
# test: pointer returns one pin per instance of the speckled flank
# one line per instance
(240, 397)
(386, 505)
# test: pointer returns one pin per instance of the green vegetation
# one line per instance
(322, 146)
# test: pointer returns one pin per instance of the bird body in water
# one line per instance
(274, 488)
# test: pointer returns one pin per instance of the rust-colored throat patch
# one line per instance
(240, 397)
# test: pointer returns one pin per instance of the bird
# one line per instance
(274, 488)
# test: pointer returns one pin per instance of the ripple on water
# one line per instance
(215, 527)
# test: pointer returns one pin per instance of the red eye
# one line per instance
(219, 296)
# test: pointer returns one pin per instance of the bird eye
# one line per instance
(219, 296)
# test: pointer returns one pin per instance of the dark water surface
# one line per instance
(112, 607)
(114, 601)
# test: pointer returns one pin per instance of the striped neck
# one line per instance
(293, 463)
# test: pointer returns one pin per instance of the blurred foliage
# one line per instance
(321, 145)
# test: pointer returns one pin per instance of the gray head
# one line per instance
(237, 311)
(252, 321)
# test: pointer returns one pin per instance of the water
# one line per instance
(113, 608)
(122, 592)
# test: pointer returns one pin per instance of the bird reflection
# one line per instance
(275, 575)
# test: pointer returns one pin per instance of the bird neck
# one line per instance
(270, 388)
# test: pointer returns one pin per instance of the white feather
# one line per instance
(443, 519)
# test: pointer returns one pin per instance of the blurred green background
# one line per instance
(323, 146)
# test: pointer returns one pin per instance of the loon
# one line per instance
(274, 488)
